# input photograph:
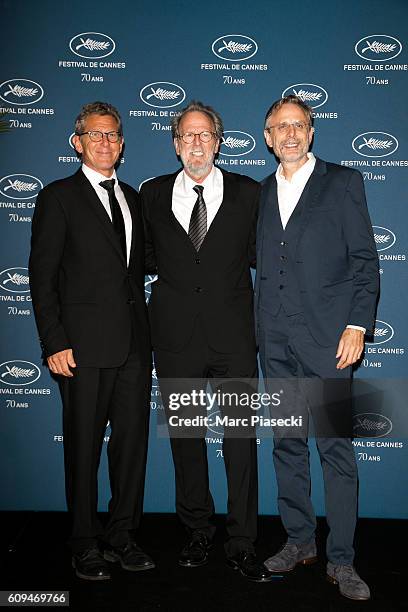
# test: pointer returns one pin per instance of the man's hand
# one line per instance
(60, 363)
(350, 348)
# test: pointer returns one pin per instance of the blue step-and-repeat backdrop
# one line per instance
(348, 60)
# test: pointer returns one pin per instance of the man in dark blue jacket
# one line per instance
(316, 293)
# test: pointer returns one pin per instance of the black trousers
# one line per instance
(91, 398)
(194, 503)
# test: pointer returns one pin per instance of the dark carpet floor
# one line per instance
(35, 557)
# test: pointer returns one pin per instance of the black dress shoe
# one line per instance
(248, 565)
(130, 556)
(195, 553)
(90, 565)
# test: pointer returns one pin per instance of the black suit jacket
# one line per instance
(336, 259)
(81, 287)
(214, 284)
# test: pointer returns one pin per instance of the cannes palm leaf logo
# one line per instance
(93, 45)
(16, 372)
(16, 279)
(308, 96)
(21, 186)
(235, 143)
(378, 47)
(163, 94)
(377, 425)
(367, 424)
(382, 238)
(380, 332)
(383, 332)
(375, 143)
(234, 47)
(21, 92)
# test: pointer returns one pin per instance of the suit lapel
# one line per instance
(166, 205)
(311, 195)
(90, 199)
(227, 207)
(268, 211)
(271, 201)
(229, 195)
(133, 213)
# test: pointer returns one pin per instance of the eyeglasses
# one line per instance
(97, 136)
(283, 128)
(189, 137)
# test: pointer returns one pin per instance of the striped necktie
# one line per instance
(198, 220)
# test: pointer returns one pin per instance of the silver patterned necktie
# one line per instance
(198, 220)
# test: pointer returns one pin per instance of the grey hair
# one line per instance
(197, 106)
(96, 108)
(291, 99)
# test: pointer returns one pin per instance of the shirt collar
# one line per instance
(188, 183)
(95, 177)
(300, 176)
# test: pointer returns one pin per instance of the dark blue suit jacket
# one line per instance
(336, 260)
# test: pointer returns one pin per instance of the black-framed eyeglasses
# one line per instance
(189, 137)
(97, 136)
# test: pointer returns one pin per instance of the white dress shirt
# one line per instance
(289, 192)
(184, 197)
(95, 178)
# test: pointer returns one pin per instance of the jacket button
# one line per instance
(281, 272)
(197, 260)
(198, 289)
(281, 287)
(283, 257)
(283, 243)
